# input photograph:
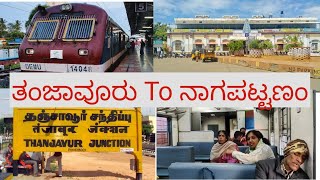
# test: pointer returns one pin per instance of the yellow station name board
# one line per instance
(85, 130)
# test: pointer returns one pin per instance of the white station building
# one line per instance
(205, 32)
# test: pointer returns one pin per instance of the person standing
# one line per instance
(142, 47)
(56, 156)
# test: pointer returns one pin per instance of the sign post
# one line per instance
(78, 130)
(141, 7)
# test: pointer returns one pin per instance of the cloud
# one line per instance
(167, 10)
(163, 10)
(312, 12)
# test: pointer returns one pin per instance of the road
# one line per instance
(187, 65)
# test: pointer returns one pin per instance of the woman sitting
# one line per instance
(217, 154)
(258, 149)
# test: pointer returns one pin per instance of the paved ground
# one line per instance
(187, 65)
(100, 166)
(134, 62)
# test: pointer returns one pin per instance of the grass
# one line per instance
(13, 66)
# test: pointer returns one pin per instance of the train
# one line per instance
(186, 135)
(72, 38)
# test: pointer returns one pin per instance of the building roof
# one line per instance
(302, 20)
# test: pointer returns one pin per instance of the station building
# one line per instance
(205, 32)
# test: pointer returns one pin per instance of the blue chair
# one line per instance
(211, 171)
(170, 154)
(201, 149)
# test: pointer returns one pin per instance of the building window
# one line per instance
(184, 22)
(200, 21)
(177, 46)
(162, 132)
(314, 47)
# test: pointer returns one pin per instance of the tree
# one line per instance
(267, 44)
(255, 44)
(7, 126)
(292, 42)
(14, 31)
(147, 129)
(235, 45)
(14, 27)
(3, 28)
(160, 31)
(32, 13)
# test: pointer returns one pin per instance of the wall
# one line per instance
(184, 120)
(233, 127)
(302, 128)
(196, 136)
(241, 119)
(175, 131)
(219, 120)
(195, 121)
(261, 122)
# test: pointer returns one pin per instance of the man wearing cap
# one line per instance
(295, 153)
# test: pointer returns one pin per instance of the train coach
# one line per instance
(72, 38)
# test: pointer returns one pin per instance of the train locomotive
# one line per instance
(72, 38)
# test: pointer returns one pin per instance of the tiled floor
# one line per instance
(134, 62)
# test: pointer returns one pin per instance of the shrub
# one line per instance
(235, 46)
(292, 42)
(266, 44)
(254, 44)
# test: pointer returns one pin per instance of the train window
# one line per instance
(44, 30)
(79, 29)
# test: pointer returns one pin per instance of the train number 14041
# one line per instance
(80, 68)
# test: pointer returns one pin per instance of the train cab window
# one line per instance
(79, 29)
(44, 30)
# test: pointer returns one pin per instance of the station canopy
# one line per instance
(140, 17)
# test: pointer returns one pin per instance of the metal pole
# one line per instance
(138, 176)
(15, 167)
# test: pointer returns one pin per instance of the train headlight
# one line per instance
(29, 51)
(83, 52)
(66, 7)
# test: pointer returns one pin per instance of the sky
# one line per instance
(166, 10)
(12, 11)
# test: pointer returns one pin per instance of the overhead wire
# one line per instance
(1, 4)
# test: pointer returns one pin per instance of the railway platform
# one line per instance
(134, 62)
